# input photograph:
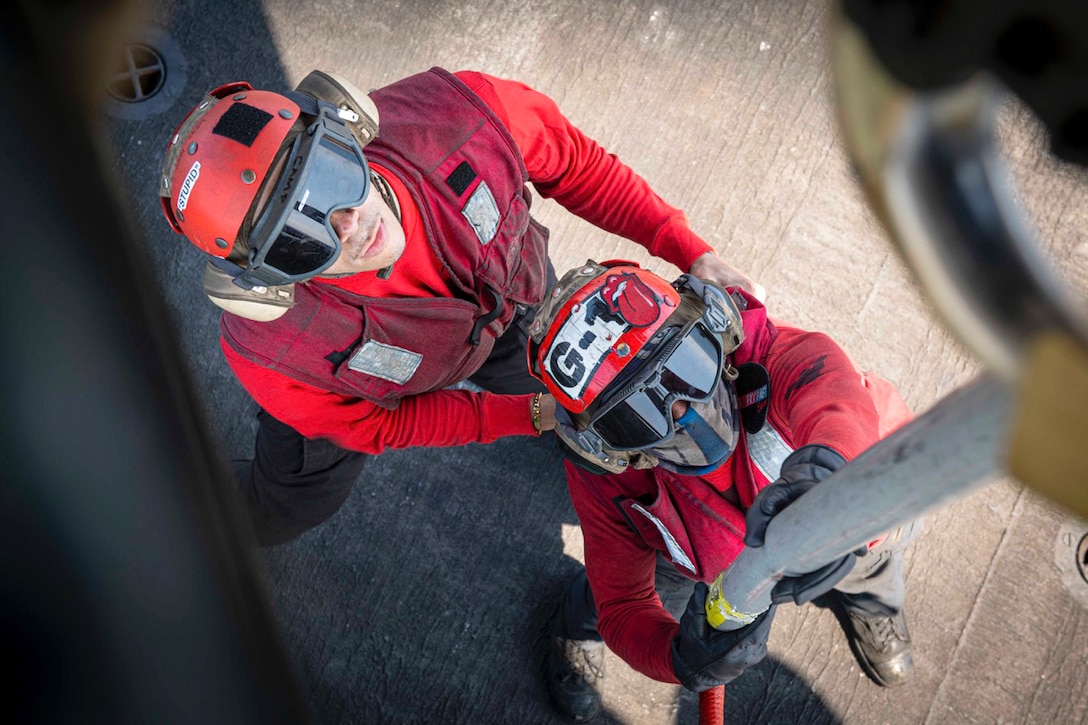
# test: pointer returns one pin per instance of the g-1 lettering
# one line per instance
(566, 365)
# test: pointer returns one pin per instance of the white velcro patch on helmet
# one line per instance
(387, 362)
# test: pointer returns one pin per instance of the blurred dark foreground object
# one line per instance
(128, 592)
(1037, 48)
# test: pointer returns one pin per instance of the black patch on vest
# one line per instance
(242, 123)
(337, 357)
(460, 178)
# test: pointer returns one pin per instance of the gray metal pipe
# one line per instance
(942, 455)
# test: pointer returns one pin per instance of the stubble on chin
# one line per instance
(357, 246)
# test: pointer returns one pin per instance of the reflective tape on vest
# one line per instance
(767, 451)
(388, 362)
(675, 552)
(482, 213)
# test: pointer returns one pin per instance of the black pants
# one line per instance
(295, 483)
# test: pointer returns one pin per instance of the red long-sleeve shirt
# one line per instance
(563, 164)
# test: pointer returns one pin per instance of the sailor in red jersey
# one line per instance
(690, 419)
(358, 287)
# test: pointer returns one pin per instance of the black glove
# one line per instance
(704, 657)
(801, 470)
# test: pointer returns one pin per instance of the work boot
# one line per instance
(574, 669)
(882, 646)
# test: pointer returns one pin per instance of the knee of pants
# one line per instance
(881, 567)
(294, 483)
(283, 507)
(577, 611)
(898, 539)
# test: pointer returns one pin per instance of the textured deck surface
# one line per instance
(425, 598)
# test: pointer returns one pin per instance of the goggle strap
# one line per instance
(584, 448)
(386, 192)
(251, 278)
(320, 109)
(236, 272)
(306, 103)
(390, 199)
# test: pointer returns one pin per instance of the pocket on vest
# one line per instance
(661, 526)
(518, 272)
(409, 348)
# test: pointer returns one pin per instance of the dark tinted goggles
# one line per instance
(639, 415)
(293, 239)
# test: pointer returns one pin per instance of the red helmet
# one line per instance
(618, 345)
(595, 322)
(218, 159)
(254, 177)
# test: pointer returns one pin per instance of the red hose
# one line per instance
(712, 706)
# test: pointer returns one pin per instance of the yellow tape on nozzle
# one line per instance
(719, 610)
